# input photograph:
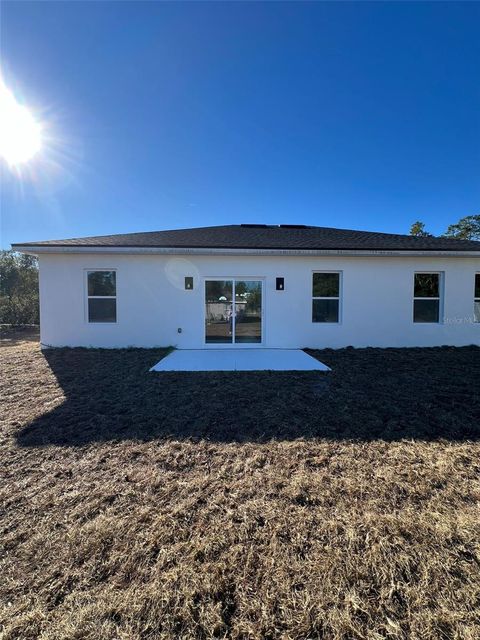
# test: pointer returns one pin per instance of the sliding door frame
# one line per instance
(233, 344)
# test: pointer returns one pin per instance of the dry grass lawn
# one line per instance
(137, 505)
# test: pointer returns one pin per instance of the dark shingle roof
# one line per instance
(266, 237)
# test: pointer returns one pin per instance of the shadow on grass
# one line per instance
(11, 336)
(389, 394)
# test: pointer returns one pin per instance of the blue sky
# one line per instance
(165, 115)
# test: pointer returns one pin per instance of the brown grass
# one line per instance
(139, 505)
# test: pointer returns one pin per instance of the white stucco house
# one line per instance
(250, 286)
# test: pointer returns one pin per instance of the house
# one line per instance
(257, 285)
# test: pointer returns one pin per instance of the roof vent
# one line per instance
(256, 226)
(294, 226)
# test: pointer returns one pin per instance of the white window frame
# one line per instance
(87, 297)
(339, 297)
(440, 297)
(475, 298)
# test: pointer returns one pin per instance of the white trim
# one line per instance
(38, 249)
(475, 299)
(87, 297)
(339, 297)
(440, 297)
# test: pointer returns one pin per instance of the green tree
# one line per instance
(467, 228)
(418, 229)
(18, 289)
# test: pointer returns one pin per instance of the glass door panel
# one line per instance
(218, 311)
(248, 311)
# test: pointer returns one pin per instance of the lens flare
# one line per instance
(20, 133)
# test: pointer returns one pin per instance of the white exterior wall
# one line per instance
(376, 307)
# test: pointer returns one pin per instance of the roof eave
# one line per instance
(125, 250)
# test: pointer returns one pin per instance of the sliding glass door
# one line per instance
(248, 311)
(233, 311)
(218, 311)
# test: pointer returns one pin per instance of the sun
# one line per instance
(20, 133)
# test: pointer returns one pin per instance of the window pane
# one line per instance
(101, 283)
(427, 285)
(102, 310)
(425, 311)
(326, 285)
(477, 285)
(325, 311)
(476, 311)
(248, 311)
(218, 311)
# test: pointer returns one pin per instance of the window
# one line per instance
(102, 296)
(426, 302)
(326, 297)
(476, 303)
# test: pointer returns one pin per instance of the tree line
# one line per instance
(467, 228)
(18, 289)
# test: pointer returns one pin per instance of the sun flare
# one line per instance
(20, 133)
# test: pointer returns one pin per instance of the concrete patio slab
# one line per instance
(239, 360)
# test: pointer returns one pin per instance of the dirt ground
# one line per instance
(139, 505)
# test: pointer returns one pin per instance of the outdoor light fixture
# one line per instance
(188, 282)
(280, 284)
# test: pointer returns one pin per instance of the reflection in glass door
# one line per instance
(248, 311)
(233, 311)
(218, 311)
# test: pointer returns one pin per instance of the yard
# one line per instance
(239, 505)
